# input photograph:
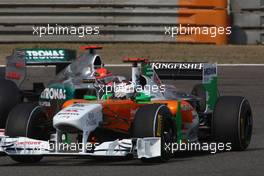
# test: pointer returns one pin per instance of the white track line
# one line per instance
(221, 65)
(117, 65)
(37, 66)
(240, 65)
(128, 65)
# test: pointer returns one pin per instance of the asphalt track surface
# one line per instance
(245, 81)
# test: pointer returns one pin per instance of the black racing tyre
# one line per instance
(155, 120)
(9, 97)
(27, 120)
(232, 122)
(199, 91)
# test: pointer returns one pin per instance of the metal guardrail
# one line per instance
(247, 5)
(118, 20)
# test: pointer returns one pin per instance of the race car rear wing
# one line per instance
(178, 70)
(206, 72)
(17, 62)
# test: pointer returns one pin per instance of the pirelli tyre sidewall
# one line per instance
(9, 97)
(27, 120)
(232, 122)
(155, 120)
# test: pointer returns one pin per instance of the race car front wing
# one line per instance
(138, 148)
(2, 135)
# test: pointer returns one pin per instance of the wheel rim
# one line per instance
(167, 135)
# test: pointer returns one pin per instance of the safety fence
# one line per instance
(114, 21)
(248, 21)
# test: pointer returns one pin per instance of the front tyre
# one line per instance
(27, 120)
(9, 97)
(155, 120)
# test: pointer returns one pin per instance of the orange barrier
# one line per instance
(203, 17)
(210, 4)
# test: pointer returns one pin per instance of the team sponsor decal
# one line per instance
(209, 72)
(28, 143)
(71, 110)
(174, 65)
(49, 54)
(68, 113)
(78, 105)
(53, 94)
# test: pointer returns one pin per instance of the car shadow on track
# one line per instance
(77, 161)
(88, 161)
(254, 149)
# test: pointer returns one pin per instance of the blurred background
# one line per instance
(140, 24)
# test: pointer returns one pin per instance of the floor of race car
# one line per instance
(245, 81)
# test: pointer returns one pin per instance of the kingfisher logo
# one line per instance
(53, 94)
(177, 66)
(48, 54)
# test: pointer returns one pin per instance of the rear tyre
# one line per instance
(155, 120)
(27, 120)
(9, 97)
(232, 122)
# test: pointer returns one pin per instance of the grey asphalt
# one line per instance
(244, 81)
(2, 72)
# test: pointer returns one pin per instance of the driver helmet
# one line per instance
(101, 73)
